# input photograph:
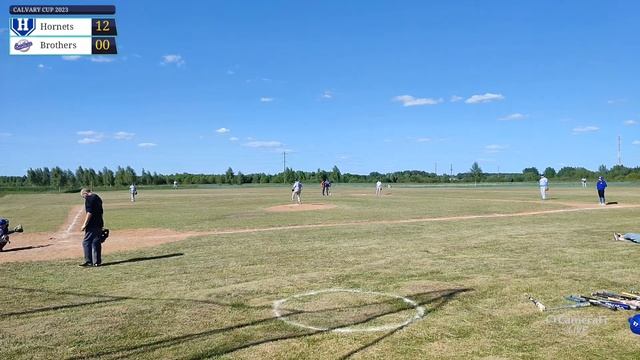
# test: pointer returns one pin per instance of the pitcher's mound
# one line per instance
(300, 207)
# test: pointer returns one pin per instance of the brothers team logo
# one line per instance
(23, 26)
(23, 45)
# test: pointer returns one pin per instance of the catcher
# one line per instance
(5, 232)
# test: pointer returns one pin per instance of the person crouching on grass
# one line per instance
(92, 227)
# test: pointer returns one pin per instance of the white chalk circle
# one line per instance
(278, 306)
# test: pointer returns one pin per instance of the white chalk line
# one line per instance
(68, 231)
(73, 223)
(420, 311)
(410, 221)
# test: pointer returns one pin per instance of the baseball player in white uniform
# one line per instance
(544, 187)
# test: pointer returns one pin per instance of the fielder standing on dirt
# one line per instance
(92, 227)
(296, 191)
(600, 186)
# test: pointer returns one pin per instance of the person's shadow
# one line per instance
(25, 248)
(138, 259)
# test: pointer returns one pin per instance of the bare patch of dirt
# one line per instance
(46, 246)
(300, 207)
(66, 243)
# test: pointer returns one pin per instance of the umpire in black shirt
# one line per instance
(92, 227)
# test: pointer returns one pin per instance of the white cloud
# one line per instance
(147, 145)
(270, 146)
(4, 134)
(95, 59)
(102, 59)
(636, 142)
(230, 72)
(123, 135)
(423, 139)
(173, 59)
(44, 67)
(495, 148)
(89, 133)
(616, 101)
(233, 138)
(90, 137)
(408, 100)
(514, 116)
(3, 30)
(387, 140)
(266, 99)
(585, 129)
(487, 97)
(71, 58)
(222, 130)
(630, 122)
(327, 95)
(89, 140)
(455, 98)
(264, 144)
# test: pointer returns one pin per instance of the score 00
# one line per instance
(103, 45)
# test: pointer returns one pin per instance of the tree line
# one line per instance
(61, 179)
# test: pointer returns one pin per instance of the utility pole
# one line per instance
(436, 169)
(284, 167)
(619, 154)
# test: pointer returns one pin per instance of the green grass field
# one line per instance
(212, 296)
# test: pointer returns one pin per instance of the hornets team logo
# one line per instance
(23, 26)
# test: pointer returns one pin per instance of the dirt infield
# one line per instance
(300, 207)
(66, 243)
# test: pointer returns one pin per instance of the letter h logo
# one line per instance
(23, 26)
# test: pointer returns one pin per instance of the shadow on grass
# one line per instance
(120, 298)
(54, 308)
(433, 300)
(25, 248)
(138, 259)
(435, 303)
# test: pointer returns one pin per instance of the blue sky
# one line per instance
(364, 85)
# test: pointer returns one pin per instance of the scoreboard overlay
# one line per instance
(58, 30)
